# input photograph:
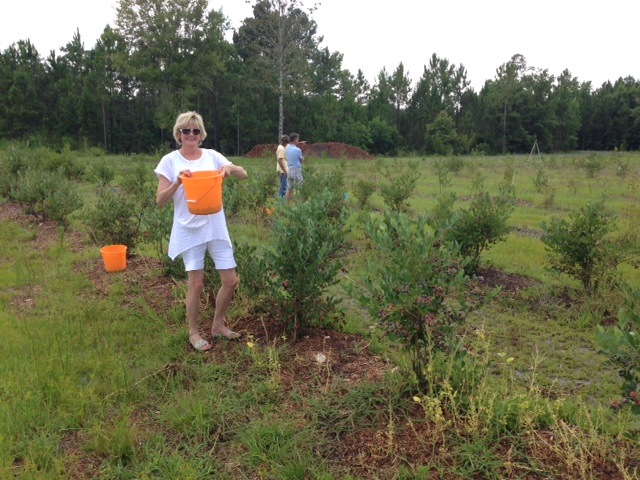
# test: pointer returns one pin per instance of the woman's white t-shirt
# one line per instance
(189, 230)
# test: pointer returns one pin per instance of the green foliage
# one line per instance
(415, 288)
(620, 344)
(354, 133)
(454, 164)
(621, 166)
(384, 137)
(441, 136)
(114, 219)
(477, 227)
(541, 181)
(363, 188)
(442, 171)
(477, 177)
(578, 246)
(321, 182)
(483, 398)
(259, 189)
(400, 183)
(48, 195)
(13, 161)
(549, 200)
(156, 226)
(66, 162)
(256, 284)
(101, 172)
(304, 260)
(509, 175)
(592, 165)
(136, 180)
(251, 195)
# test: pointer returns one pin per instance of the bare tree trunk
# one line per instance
(504, 129)
(104, 125)
(280, 101)
(237, 129)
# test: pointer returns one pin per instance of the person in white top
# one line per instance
(281, 164)
(194, 235)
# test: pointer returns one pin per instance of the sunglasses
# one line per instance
(187, 131)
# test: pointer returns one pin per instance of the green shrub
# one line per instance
(101, 172)
(399, 187)
(620, 344)
(13, 162)
(156, 228)
(362, 190)
(114, 219)
(477, 227)
(592, 165)
(257, 284)
(578, 246)
(251, 195)
(541, 181)
(261, 187)
(444, 178)
(509, 175)
(135, 181)
(549, 198)
(331, 183)
(454, 164)
(66, 162)
(304, 261)
(415, 288)
(48, 195)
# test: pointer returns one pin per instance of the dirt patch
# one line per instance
(142, 275)
(320, 150)
(508, 282)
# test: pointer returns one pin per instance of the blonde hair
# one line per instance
(189, 118)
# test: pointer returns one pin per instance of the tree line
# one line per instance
(161, 58)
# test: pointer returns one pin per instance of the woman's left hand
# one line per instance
(234, 170)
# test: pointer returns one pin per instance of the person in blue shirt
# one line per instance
(294, 164)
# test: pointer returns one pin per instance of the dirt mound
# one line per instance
(329, 150)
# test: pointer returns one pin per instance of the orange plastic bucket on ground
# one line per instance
(115, 257)
(203, 191)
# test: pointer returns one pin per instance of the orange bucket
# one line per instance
(115, 257)
(203, 191)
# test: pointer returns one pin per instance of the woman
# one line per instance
(194, 235)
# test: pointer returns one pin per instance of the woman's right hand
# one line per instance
(187, 173)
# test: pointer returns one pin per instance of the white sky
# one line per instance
(595, 42)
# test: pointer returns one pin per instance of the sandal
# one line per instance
(226, 333)
(200, 345)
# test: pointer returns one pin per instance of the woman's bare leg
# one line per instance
(196, 285)
(229, 281)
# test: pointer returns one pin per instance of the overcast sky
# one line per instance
(595, 42)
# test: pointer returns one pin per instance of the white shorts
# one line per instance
(220, 251)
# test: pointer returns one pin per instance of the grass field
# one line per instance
(99, 382)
